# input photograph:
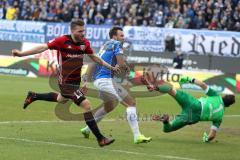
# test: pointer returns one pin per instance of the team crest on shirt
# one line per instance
(82, 47)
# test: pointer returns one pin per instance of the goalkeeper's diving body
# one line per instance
(209, 108)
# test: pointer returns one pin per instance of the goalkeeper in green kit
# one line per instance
(209, 108)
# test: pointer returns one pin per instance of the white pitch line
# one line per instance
(237, 115)
(104, 120)
(23, 122)
(42, 121)
(95, 148)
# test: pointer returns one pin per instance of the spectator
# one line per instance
(43, 14)
(190, 13)
(51, 14)
(222, 25)
(134, 22)
(36, 14)
(199, 21)
(91, 13)
(159, 18)
(237, 27)
(99, 19)
(76, 13)
(182, 22)
(11, 13)
(2, 10)
(145, 23)
(236, 14)
(213, 25)
(139, 15)
(170, 22)
(85, 17)
(105, 8)
(66, 16)
(109, 20)
(178, 60)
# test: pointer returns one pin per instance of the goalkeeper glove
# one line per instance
(186, 79)
(205, 137)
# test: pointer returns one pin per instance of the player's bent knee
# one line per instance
(61, 99)
(86, 105)
(78, 98)
(110, 105)
(132, 102)
(129, 101)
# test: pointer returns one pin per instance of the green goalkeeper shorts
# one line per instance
(191, 108)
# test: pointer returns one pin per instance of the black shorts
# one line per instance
(72, 91)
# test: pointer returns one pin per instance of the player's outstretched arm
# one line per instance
(103, 63)
(87, 77)
(121, 63)
(186, 79)
(35, 50)
(203, 85)
(89, 73)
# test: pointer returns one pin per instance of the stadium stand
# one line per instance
(192, 14)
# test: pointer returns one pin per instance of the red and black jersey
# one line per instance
(70, 57)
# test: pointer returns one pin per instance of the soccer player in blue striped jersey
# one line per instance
(111, 92)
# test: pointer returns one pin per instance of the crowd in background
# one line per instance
(192, 14)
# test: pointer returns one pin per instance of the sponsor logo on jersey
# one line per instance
(74, 55)
(82, 47)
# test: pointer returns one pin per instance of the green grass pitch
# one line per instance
(36, 133)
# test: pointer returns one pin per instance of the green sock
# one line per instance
(164, 88)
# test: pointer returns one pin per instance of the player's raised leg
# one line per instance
(32, 96)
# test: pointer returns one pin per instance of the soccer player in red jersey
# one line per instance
(70, 52)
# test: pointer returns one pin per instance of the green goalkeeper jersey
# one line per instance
(212, 108)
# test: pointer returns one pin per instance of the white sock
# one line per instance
(132, 121)
(99, 114)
